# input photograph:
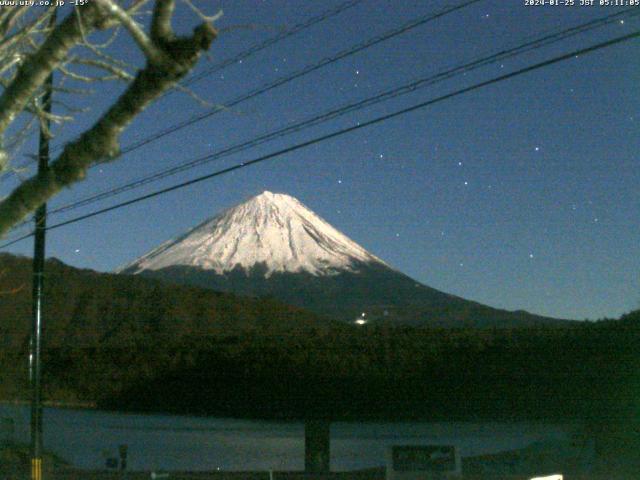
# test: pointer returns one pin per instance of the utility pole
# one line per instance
(317, 446)
(35, 360)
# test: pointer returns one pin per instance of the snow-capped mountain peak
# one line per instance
(271, 229)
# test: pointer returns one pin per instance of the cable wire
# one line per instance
(300, 73)
(344, 131)
(349, 108)
(410, 25)
(272, 41)
(252, 50)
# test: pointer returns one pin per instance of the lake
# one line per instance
(87, 438)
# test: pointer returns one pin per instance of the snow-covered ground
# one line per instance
(272, 229)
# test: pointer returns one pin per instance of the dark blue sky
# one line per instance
(521, 195)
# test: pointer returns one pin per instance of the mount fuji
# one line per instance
(274, 246)
(272, 230)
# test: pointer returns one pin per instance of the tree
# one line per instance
(32, 47)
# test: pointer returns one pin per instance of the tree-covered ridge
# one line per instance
(87, 308)
(385, 295)
(88, 311)
(137, 344)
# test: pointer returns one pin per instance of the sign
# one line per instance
(423, 461)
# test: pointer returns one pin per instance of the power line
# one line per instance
(20, 226)
(252, 50)
(301, 73)
(304, 71)
(271, 41)
(344, 131)
(351, 107)
(19, 239)
(298, 74)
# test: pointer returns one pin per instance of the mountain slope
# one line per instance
(274, 246)
(85, 308)
(104, 333)
(274, 229)
(130, 343)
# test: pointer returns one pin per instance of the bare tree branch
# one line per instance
(194, 96)
(161, 21)
(116, 72)
(201, 15)
(35, 69)
(100, 143)
(152, 53)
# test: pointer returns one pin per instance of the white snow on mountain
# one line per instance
(271, 229)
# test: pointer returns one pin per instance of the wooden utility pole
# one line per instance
(35, 354)
(317, 446)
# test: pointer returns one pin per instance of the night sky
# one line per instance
(521, 195)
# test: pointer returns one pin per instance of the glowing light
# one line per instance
(361, 320)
